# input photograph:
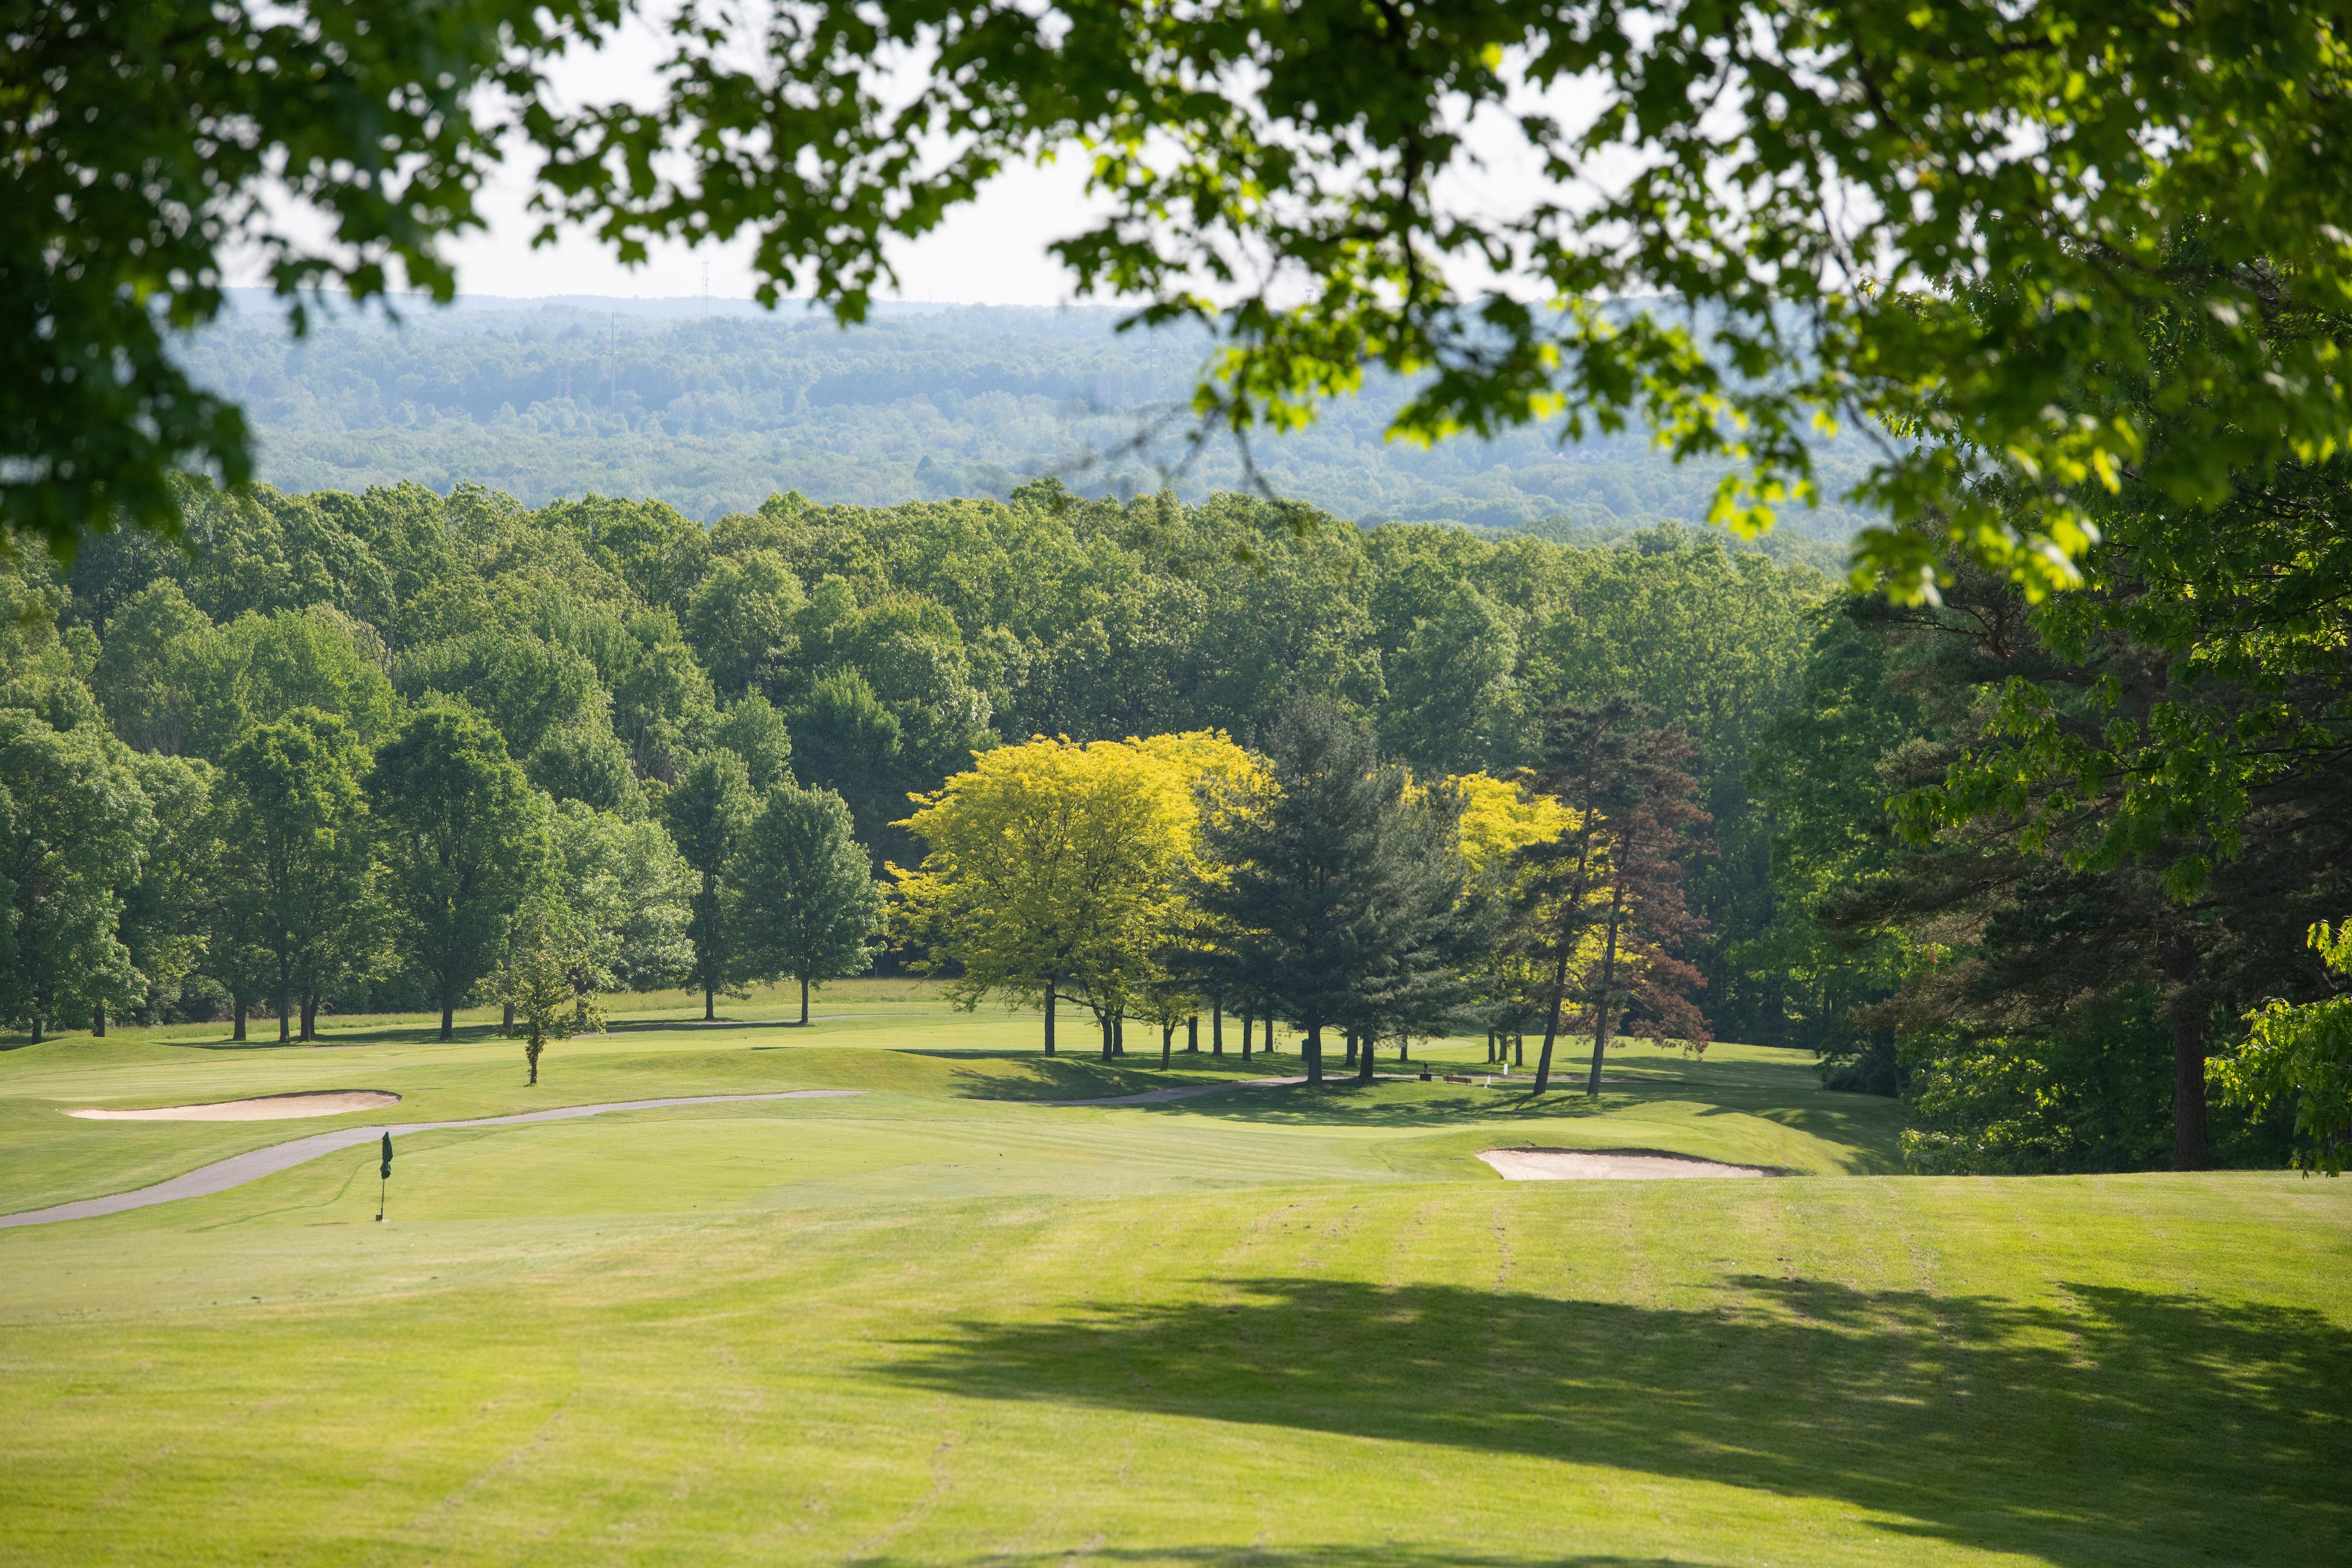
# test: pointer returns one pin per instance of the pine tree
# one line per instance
(1331, 890)
(1432, 927)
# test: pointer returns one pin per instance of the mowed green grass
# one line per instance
(937, 1322)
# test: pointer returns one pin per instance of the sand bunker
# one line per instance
(1590, 1165)
(267, 1108)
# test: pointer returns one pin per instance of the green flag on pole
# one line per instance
(384, 1178)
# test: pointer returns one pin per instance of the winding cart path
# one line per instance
(255, 1164)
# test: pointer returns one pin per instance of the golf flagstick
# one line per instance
(384, 1178)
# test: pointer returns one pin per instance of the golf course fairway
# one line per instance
(941, 1320)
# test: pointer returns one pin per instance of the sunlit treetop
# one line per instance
(1500, 819)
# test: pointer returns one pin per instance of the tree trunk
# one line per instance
(1519, 1050)
(98, 1020)
(506, 1018)
(1314, 1049)
(309, 1018)
(236, 1015)
(1608, 979)
(1366, 1055)
(1246, 1022)
(1216, 1029)
(1349, 1058)
(285, 996)
(36, 1028)
(2189, 1138)
(1551, 1021)
(1108, 1052)
(1049, 1017)
(448, 1016)
(2179, 955)
(1118, 1034)
(803, 1001)
(709, 1011)
(1167, 1041)
(1192, 1036)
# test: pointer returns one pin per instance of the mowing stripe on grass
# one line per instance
(255, 1164)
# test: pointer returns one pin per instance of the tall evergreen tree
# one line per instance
(1432, 925)
(1602, 901)
(1644, 923)
(1585, 754)
(1316, 872)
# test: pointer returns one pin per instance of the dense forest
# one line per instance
(872, 650)
(715, 408)
(640, 686)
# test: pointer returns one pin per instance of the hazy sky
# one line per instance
(991, 253)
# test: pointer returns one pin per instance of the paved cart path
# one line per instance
(255, 1164)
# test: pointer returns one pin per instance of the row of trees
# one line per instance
(280, 811)
(312, 837)
(871, 651)
(1318, 883)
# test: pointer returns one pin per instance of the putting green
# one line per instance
(941, 1322)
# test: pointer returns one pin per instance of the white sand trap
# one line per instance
(267, 1108)
(1588, 1165)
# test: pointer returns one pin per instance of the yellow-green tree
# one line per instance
(1500, 819)
(1056, 869)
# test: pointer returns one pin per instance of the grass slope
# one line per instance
(936, 1324)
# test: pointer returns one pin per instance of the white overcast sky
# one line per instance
(991, 252)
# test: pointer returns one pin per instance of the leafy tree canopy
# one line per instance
(1941, 223)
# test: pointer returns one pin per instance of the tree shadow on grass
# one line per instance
(1352, 1103)
(376, 1035)
(1354, 1554)
(2124, 1424)
(1071, 1078)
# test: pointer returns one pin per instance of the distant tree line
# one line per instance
(712, 412)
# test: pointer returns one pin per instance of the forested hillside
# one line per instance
(716, 411)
